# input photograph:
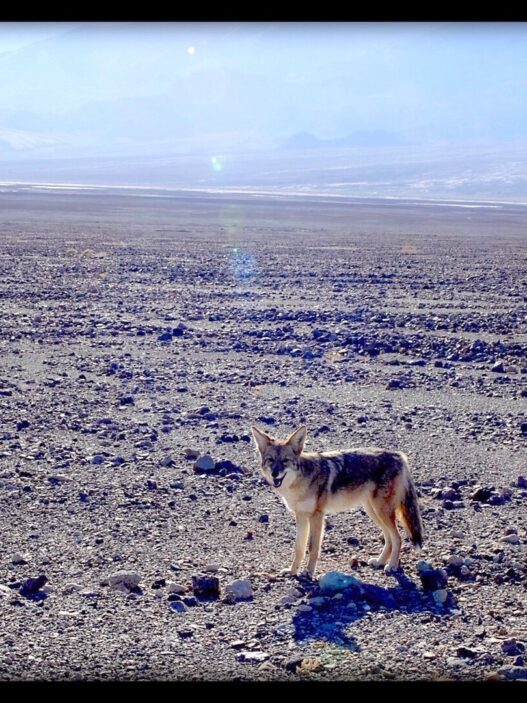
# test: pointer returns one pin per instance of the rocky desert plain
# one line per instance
(143, 332)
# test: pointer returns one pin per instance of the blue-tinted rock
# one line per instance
(334, 581)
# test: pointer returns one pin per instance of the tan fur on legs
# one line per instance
(316, 523)
(387, 550)
(302, 535)
(386, 514)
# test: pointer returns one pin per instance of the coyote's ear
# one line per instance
(297, 439)
(262, 439)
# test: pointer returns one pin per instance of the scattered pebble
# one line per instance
(124, 580)
(206, 586)
(238, 590)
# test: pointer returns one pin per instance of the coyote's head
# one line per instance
(280, 456)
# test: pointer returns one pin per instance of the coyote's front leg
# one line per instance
(316, 524)
(302, 534)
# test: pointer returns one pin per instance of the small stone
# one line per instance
(165, 337)
(18, 558)
(481, 494)
(190, 453)
(510, 539)
(466, 653)
(513, 673)
(440, 596)
(424, 566)
(293, 664)
(70, 588)
(178, 607)
(318, 601)
(311, 665)
(124, 580)
(336, 581)
(456, 560)
(173, 587)
(498, 367)
(89, 593)
(252, 657)
(22, 425)
(433, 579)
(304, 608)
(264, 519)
(206, 586)
(394, 383)
(521, 482)
(127, 400)
(238, 590)
(32, 585)
(97, 459)
(205, 464)
(167, 461)
(512, 647)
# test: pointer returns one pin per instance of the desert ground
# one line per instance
(141, 331)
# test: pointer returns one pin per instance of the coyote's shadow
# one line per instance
(329, 619)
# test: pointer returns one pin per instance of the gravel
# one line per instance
(320, 309)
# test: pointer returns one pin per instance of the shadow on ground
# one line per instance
(330, 617)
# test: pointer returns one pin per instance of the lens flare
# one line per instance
(217, 163)
(191, 51)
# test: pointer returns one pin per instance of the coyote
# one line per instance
(312, 484)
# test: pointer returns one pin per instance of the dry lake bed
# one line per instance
(144, 330)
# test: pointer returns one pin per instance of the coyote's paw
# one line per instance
(288, 572)
(391, 569)
(375, 563)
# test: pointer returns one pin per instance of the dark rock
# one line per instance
(205, 464)
(228, 467)
(190, 601)
(512, 647)
(178, 607)
(433, 579)
(22, 425)
(32, 585)
(293, 664)
(481, 494)
(513, 673)
(127, 400)
(267, 420)
(165, 337)
(206, 586)
(394, 383)
(264, 518)
(466, 653)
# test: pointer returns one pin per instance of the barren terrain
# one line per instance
(134, 327)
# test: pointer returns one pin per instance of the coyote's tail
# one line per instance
(410, 513)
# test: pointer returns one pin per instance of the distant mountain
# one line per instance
(359, 138)
(302, 140)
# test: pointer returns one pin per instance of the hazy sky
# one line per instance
(14, 35)
(89, 89)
